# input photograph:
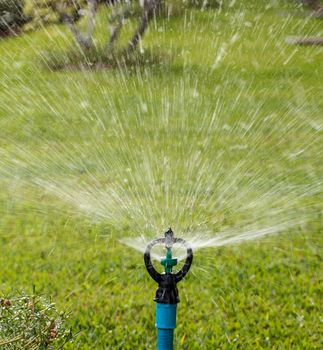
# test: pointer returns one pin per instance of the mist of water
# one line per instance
(174, 153)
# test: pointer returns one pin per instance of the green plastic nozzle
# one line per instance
(168, 262)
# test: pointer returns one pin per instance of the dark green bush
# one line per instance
(11, 16)
(97, 58)
(43, 12)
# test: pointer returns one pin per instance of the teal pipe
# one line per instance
(165, 339)
(165, 324)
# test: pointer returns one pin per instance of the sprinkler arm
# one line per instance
(167, 291)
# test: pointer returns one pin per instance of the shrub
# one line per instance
(11, 16)
(98, 58)
(30, 323)
(44, 12)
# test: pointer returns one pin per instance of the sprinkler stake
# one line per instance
(167, 293)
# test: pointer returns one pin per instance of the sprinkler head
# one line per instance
(169, 238)
(167, 292)
(169, 262)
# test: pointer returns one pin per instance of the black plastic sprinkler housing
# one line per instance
(167, 292)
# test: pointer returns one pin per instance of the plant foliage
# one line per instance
(11, 16)
(44, 12)
(30, 322)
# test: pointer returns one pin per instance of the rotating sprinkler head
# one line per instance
(169, 262)
(167, 293)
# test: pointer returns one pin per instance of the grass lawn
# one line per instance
(84, 131)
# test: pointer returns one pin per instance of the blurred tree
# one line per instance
(149, 8)
(85, 40)
(70, 11)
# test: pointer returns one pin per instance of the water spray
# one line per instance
(167, 293)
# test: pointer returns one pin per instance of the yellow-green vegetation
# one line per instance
(32, 322)
(44, 12)
(262, 294)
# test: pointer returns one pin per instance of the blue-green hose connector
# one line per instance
(167, 294)
(165, 324)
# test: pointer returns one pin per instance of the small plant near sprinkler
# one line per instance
(32, 322)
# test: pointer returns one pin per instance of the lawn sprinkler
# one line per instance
(167, 294)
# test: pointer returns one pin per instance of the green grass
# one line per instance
(258, 295)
